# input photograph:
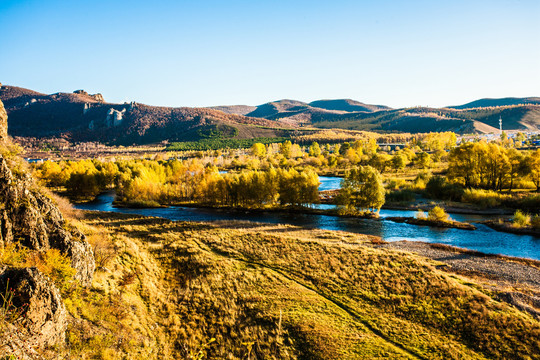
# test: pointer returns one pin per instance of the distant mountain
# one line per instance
(476, 120)
(296, 112)
(499, 102)
(80, 116)
(84, 117)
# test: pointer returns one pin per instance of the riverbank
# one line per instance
(484, 238)
(514, 280)
(450, 224)
(507, 226)
(451, 209)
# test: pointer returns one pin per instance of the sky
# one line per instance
(205, 53)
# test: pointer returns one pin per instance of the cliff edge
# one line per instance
(33, 315)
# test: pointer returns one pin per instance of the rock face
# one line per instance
(28, 216)
(44, 313)
(3, 122)
(31, 218)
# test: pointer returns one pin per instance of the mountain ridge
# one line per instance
(80, 116)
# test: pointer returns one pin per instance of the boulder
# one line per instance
(43, 312)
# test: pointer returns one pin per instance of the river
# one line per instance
(483, 239)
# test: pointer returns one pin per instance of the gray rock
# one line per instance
(31, 218)
(44, 313)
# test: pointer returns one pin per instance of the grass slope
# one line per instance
(498, 102)
(33, 114)
(257, 291)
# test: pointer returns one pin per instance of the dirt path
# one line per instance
(282, 272)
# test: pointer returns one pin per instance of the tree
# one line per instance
(315, 149)
(423, 160)
(362, 188)
(258, 150)
(285, 149)
(533, 163)
(398, 162)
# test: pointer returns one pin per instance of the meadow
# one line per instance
(235, 290)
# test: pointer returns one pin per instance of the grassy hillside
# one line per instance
(170, 290)
(498, 102)
(82, 117)
(346, 105)
(523, 117)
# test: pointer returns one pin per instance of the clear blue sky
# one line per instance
(203, 53)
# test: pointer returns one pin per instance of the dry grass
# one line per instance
(238, 290)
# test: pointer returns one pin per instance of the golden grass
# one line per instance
(237, 290)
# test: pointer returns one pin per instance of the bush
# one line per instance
(535, 222)
(439, 188)
(12, 254)
(401, 195)
(484, 198)
(521, 219)
(531, 203)
(438, 214)
(422, 179)
(395, 184)
(55, 265)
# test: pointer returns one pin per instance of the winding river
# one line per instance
(483, 239)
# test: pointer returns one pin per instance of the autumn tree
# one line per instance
(315, 149)
(258, 150)
(362, 188)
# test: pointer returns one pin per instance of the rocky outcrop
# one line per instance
(114, 117)
(43, 312)
(32, 219)
(29, 217)
(3, 122)
(98, 97)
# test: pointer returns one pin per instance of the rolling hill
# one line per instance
(80, 116)
(498, 102)
(481, 116)
(476, 120)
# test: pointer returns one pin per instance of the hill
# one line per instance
(481, 116)
(80, 116)
(498, 102)
(476, 120)
(296, 112)
(346, 105)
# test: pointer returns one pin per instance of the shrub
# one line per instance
(438, 214)
(401, 195)
(422, 179)
(521, 219)
(439, 188)
(420, 214)
(484, 198)
(13, 254)
(55, 265)
(535, 222)
(531, 203)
